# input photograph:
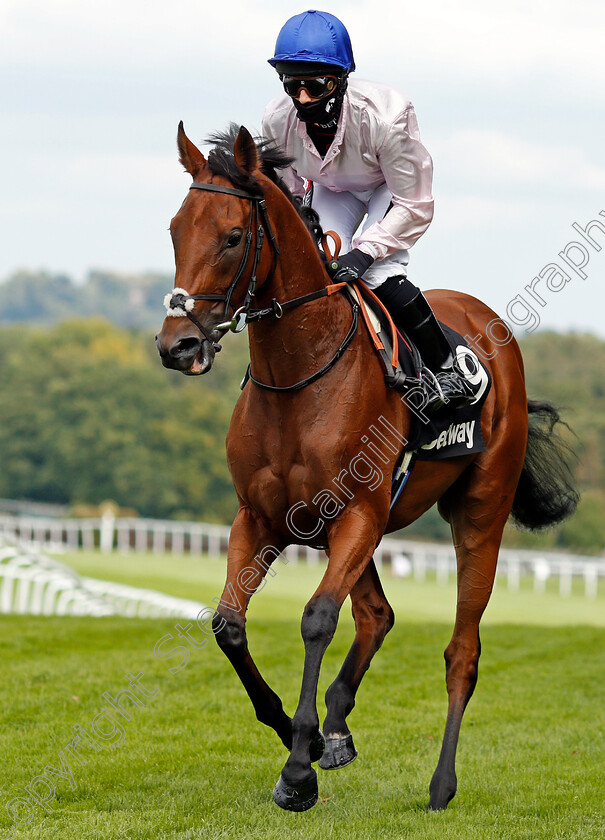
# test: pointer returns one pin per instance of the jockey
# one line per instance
(357, 154)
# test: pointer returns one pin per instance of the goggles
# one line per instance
(316, 88)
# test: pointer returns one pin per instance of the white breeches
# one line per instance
(344, 212)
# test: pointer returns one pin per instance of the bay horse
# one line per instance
(299, 448)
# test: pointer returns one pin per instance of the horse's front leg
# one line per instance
(252, 549)
(352, 542)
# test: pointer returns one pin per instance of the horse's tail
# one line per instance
(546, 493)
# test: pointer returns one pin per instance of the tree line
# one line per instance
(88, 414)
(44, 298)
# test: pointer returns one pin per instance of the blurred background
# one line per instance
(510, 104)
(508, 97)
(115, 498)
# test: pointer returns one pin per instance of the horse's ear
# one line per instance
(245, 152)
(189, 155)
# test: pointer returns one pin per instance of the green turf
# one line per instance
(194, 762)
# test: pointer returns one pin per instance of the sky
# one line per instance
(509, 98)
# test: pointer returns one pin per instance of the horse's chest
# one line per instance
(278, 461)
(277, 475)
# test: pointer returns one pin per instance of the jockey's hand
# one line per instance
(350, 266)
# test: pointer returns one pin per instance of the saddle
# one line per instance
(400, 357)
(444, 434)
(404, 369)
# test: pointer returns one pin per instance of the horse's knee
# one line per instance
(319, 620)
(229, 629)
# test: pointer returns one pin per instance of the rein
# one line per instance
(180, 304)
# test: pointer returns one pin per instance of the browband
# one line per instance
(196, 185)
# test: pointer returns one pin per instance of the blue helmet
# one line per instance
(314, 38)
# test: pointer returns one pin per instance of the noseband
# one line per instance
(180, 304)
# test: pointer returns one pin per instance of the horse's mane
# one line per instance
(273, 158)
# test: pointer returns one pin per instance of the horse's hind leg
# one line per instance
(373, 620)
(477, 518)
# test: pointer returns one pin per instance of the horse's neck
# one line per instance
(299, 268)
(286, 350)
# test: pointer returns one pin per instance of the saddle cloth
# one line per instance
(446, 433)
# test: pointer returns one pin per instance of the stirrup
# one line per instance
(457, 390)
(446, 388)
(436, 399)
(425, 383)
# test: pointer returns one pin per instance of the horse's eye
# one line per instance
(234, 239)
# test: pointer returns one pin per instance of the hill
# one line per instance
(43, 298)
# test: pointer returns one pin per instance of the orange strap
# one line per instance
(337, 245)
(395, 335)
(335, 287)
(364, 311)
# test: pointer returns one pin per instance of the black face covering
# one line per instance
(325, 112)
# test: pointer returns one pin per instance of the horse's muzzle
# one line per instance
(191, 355)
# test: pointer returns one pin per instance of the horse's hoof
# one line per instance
(338, 753)
(441, 794)
(317, 746)
(438, 804)
(298, 797)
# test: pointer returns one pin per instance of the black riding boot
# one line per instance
(412, 313)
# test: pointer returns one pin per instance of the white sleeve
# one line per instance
(408, 173)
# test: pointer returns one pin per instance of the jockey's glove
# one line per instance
(350, 266)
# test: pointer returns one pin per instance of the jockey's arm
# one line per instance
(408, 173)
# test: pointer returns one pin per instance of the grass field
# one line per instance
(194, 762)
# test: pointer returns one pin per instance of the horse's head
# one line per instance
(218, 236)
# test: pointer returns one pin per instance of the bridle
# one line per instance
(180, 304)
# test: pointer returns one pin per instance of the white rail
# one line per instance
(33, 584)
(406, 557)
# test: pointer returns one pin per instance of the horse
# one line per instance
(299, 446)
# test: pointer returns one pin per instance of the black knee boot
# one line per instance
(412, 313)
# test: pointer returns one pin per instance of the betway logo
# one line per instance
(455, 433)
